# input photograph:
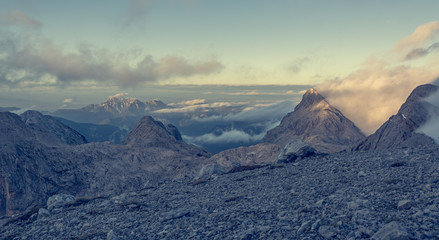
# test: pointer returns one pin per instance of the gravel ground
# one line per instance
(381, 195)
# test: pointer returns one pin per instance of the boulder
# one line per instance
(391, 231)
(295, 150)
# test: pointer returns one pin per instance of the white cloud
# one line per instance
(419, 37)
(118, 95)
(232, 136)
(68, 100)
(189, 102)
(200, 107)
(29, 59)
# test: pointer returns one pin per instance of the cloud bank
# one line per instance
(226, 137)
(370, 95)
(28, 60)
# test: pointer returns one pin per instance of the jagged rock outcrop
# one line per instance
(35, 164)
(258, 154)
(151, 133)
(400, 129)
(317, 123)
(295, 150)
(65, 134)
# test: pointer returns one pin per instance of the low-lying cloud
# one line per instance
(370, 95)
(431, 127)
(226, 137)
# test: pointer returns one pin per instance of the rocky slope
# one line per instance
(34, 163)
(317, 123)
(391, 194)
(400, 129)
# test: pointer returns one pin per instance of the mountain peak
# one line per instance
(420, 93)
(152, 133)
(310, 98)
(318, 124)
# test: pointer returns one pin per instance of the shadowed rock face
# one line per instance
(35, 163)
(400, 129)
(317, 123)
(151, 133)
(47, 123)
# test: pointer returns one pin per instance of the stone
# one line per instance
(210, 170)
(295, 150)
(43, 213)
(304, 227)
(327, 231)
(404, 204)
(391, 231)
(59, 201)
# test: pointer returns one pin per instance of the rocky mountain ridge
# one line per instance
(35, 163)
(114, 110)
(400, 129)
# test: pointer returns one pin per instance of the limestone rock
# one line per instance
(59, 200)
(404, 204)
(391, 231)
(295, 150)
(210, 170)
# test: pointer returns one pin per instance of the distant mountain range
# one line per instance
(113, 107)
(206, 124)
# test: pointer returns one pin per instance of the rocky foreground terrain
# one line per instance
(389, 194)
